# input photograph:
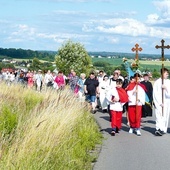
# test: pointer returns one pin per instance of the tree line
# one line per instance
(69, 56)
(26, 54)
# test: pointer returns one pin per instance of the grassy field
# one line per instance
(149, 65)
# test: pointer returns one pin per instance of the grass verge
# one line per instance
(45, 131)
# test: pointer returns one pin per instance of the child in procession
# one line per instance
(136, 94)
(117, 97)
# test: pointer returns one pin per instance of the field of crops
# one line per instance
(149, 65)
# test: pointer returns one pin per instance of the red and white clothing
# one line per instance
(116, 108)
(136, 94)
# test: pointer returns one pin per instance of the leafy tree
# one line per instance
(73, 56)
(8, 65)
(36, 64)
(25, 54)
(155, 74)
(109, 70)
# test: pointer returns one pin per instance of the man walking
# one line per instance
(162, 110)
(91, 88)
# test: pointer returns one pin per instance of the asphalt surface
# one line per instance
(131, 152)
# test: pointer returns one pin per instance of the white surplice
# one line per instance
(162, 119)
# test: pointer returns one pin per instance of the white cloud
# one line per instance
(62, 37)
(112, 40)
(19, 33)
(12, 39)
(23, 30)
(152, 18)
(108, 39)
(68, 12)
(129, 27)
(118, 26)
(163, 7)
(162, 18)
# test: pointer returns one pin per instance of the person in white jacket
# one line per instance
(103, 89)
(162, 118)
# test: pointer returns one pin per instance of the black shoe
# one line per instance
(94, 111)
(117, 130)
(97, 106)
(104, 110)
(163, 133)
(113, 133)
(158, 132)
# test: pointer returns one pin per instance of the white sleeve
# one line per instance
(157, 93)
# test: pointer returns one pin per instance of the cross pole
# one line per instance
(162, 52)
(136, 49)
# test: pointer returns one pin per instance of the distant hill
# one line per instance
(126, 55)
(50, 55)
(26, 54)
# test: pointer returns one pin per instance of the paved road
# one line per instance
(130, 152)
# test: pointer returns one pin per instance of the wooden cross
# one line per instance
(136, 48)
(162, 49)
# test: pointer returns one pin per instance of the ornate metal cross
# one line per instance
(162, 48)
(136, 48)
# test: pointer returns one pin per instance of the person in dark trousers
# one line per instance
(147, 107)
(91, 89)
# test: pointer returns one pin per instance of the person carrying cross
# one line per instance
(136, 94)
(162, 118)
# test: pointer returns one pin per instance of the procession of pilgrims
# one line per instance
(119, 95)
(133, 95)
(136, 97)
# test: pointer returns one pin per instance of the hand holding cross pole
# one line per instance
(162, 75)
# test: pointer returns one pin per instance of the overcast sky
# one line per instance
(100, 25)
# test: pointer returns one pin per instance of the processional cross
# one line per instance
(162, 51)
(136, 49)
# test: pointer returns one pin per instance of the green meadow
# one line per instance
(144, 65)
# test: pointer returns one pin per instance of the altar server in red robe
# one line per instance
(117, 97)
(136, 93)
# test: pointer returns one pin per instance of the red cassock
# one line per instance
(132, 85)
(122, 95)
(117, 115)
(135, 112)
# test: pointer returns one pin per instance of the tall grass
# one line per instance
(47, 131)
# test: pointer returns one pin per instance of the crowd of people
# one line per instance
(34, 79)
(112, 94)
